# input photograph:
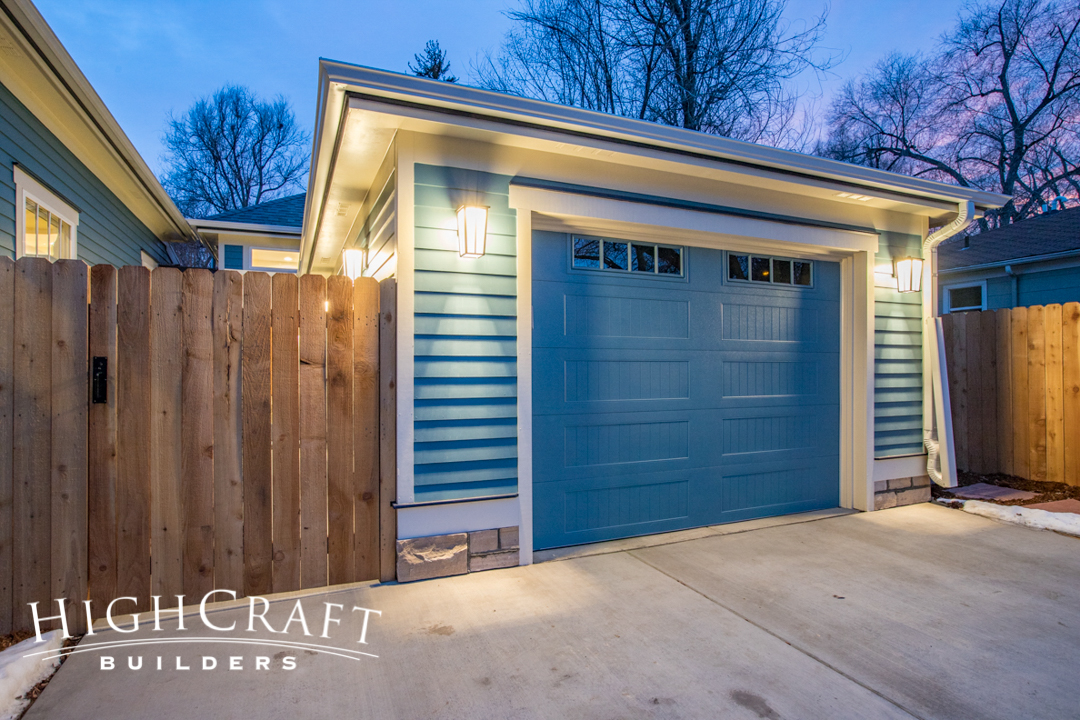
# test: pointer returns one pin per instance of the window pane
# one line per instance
(586, 253)
(670, 261)
(274, 259)
(969, 297)
(759, 269)
(54, 238)
(65, 240)
(802, 273)
(738, 267)
(42, 232)
(615, 255)
(781, 271)
(642, 258)
(31, 227)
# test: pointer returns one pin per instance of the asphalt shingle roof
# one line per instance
(1041, 235)
(285, 212)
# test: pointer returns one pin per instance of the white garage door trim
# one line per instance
(853, 250)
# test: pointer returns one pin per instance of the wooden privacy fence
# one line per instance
(1014, 378)
(167, 433)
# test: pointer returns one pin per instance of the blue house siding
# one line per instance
(108, 232)
(897, 357)
(1033, 285)
(465, 385)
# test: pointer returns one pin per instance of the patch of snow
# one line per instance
(1068, 523)
(19, 674)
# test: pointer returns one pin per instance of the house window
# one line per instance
(274, 260)
(959, 298)
(624, 256)
(46, 224)
(232, 257)
(777, 271)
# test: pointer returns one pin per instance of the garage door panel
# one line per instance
(666, 405)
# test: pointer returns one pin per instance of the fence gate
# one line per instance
(169, 432)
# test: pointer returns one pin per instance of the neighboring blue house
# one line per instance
(1032, 262)
(259, 237)
(71, 183)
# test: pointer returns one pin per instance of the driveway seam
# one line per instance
(784, 640)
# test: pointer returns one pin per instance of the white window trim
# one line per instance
(947, 296)
(26, 186)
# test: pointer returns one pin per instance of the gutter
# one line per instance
(937, 422)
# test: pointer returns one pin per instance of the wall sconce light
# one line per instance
(908, 272)
(472, 230)
(354, 262)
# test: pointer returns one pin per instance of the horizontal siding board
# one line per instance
(464, 451)
(455, 388)
(450, 261)
(457, 367)
(458, 325)
(465, 283)
(447, 240)
(447, 431)
(464, 409)
(467, 472)
(449, 304)
(446, 219)
(465, 347)
(466, 491)
(452, 198)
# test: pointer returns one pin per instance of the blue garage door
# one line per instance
(676, 387)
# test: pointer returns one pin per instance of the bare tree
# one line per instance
(432, 63)
(233, 150)
(997, 108)
(717, 66)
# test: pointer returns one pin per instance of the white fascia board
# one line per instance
(456, 517)
(98, 141)
(242, 228)
(473, 102)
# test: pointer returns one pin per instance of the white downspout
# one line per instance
(937, 414)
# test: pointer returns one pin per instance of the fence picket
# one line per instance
(228, 327)
(1003, 354)
(1055, 438)
(366, 432)
(1070, 352)
(31, 447)
(7, 376)
(101, 442)
(285, 429)
(1037, 392)
(1019, 385)
(133, 434)
(387, 429)
(166, 441)
(339, 430)
(256, 369)
(313, 540)
(197, 435)
(958, 387)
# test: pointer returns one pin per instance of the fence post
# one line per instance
(1070, 350)
(313, 537)
(256, 366)
(387, 429)
(340, 418)
(367, 431)
(7, 371)
(228, 432)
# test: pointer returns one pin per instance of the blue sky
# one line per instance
(147, 58)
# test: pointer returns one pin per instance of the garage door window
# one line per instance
(624, 256)
(776, 271)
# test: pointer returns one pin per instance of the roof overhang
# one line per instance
(242, 228)
(38, 70)
(360, 110)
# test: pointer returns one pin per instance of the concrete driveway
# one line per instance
(913, 612)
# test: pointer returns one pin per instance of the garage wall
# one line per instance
(465, 404)
(108, 232)
(897, 357)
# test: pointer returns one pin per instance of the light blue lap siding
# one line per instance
(897, 357)
(108, 231)
(465, 401)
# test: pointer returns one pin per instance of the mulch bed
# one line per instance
(1045, 491)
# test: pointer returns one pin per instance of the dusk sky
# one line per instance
(148, 58)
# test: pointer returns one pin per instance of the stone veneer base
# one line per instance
(901, 491)
(438, 556)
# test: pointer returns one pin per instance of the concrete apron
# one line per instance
(913, 612)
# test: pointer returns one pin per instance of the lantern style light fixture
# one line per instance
(354, 262)
(908, 272)
(472, 230)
